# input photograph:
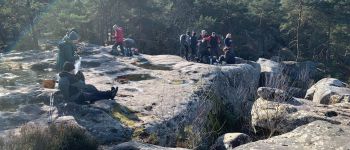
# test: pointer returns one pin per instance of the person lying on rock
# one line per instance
(73, 87)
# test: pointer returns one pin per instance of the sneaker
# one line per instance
(113, 92)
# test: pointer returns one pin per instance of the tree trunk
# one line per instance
(329, 46)
(298, 29)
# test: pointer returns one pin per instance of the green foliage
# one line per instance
(318, 30)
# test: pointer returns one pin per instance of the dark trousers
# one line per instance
(214, 51)
(184, 51)
(120, 46)
(194, 52)
(96, 96)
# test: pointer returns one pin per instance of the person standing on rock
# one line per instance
(214, 46)
(185, 40)
(119, 39)
(203, 45)
(73, 87)
(67, 49)
(193, 45)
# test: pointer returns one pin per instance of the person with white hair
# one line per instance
(203, 45)
(119, 39)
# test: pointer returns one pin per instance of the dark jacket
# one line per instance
(66, 52)
(228, 42)
(230, 57)
(194, 41)
(70, 86)
(214, 41)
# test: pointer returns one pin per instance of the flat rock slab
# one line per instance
(137, 146)
(314, 136)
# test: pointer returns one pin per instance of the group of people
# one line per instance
(71, 81)
(206, 48)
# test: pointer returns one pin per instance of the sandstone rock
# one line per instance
(273, 94)
(328, 91)
(42, 66)
(284, 116)
(177, 95)
(230, 141)
(100, 124)
(269, 66)
(106, 105)
(313, 136)
(67, 120)
(137, 146)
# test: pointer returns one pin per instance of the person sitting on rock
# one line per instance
(228, 57)
(73, 88)
(129, 45)
(67, 50)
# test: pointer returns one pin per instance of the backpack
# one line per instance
(61, 45)
(183, 38)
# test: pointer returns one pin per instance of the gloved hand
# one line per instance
(76, 57)
(80, 76)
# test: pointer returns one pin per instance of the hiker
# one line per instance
(185, 44)
(67, 50)
(228, 40)
(229, 54)
(193, 45)
(228, 57)
(214, 42)
(129, 46)
(203, 46)
(74, 89)
(73, 33)
(119, 39)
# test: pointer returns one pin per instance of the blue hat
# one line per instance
(73, 36)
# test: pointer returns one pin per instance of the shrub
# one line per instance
(54, 137)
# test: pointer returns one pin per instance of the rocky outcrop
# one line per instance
(282, 114)
(294, 77)
(230, 141)
(329, 91)
(137, 146)
(313, 136)
(157, 95)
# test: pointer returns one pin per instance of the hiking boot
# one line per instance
(113, 92)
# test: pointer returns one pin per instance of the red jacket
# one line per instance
(119, 35)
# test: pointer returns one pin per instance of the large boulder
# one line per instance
(281, 114)
(313, 136)
(294, 77)
(230, 141)
(328, 91)
(99, 123)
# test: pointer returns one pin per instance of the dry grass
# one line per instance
(32, 137)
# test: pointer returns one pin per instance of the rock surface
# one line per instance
(230, 141)
(313, 136)
(137, 146)
(157, 94)
(329, 91)
(289, 75)
(284, 115)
